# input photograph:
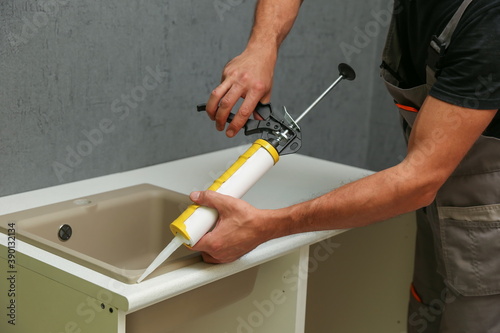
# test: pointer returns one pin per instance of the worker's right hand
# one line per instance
(240, 228)
(248, 76)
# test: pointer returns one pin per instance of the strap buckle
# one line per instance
(437, 49)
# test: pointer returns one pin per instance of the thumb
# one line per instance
(206, 198)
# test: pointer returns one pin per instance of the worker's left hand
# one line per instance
(248, 76)
(237, 231)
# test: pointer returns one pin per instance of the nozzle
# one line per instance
(167, 251)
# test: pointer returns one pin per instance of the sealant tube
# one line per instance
(197, 220)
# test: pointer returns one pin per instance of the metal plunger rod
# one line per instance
(318, 99)
(346, 72)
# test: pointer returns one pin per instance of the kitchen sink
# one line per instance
(116, 233)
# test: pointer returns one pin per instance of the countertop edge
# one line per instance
(174, 283)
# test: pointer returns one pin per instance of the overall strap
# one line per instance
(440, 43)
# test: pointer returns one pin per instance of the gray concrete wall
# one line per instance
(90, 88)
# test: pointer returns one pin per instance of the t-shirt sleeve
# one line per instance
(470, 69)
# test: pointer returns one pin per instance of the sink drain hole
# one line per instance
(65, 232)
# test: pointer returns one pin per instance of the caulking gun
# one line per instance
(279, 136)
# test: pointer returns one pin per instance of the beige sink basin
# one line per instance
(117, 233)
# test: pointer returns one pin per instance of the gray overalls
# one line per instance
(456, 283)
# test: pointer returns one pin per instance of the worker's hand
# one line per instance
(248, 76)
(236, 232)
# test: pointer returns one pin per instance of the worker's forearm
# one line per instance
(272, 23)
(374, 198)
(436, 147)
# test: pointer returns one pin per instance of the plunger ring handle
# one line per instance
(347, 72)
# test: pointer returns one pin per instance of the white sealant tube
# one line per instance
(197, 220)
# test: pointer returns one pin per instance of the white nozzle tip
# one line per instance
(167, 251)
(143, 276)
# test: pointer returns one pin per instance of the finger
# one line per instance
(257, 116)
(247, 108)
(245, 111)
(208, 198)
(215, 97)
(226, 105)
(209, 259)
(198, 197)
(203, 246)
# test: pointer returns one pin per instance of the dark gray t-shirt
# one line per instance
(469, 73)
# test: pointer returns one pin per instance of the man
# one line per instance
(442, 66)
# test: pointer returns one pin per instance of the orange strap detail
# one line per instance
(407, 108)
(414, 293)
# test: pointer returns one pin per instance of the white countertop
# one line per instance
(293, 179)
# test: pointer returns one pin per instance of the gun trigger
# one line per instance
(264, 110)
